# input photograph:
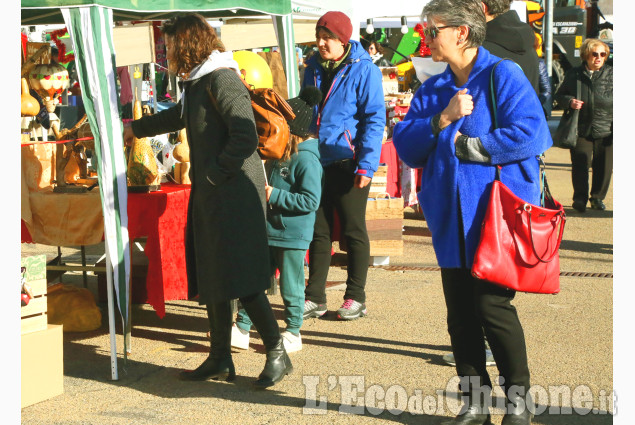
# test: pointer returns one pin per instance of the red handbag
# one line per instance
(519, 242)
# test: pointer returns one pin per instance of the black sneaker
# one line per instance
(579, 206)
(597, 204)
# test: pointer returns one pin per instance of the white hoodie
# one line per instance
(215, 60)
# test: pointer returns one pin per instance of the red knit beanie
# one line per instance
(338, 23)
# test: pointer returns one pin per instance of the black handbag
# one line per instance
(566, 135)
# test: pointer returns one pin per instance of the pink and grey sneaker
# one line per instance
(351, 310)
(312, 309)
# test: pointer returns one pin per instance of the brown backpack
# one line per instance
(271, 113)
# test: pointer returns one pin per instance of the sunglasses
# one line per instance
(599, 54)
(433, 32)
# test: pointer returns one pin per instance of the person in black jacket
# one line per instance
(376, 53)
(509, 37)
(544, 83)
(595, 124)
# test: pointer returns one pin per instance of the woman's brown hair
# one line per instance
(292, 146)
(191, 41)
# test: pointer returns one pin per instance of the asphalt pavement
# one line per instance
(384, 368)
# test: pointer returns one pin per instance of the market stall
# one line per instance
(90, 28)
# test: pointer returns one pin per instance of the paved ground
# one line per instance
(385, 368)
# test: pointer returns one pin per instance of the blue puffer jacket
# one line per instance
(522, 134)
(353, 114)
(297, 188)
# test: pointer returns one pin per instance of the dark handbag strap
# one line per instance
(545, 193)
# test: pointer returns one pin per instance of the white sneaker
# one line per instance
(489, 359)
(240, 338)
(291, 342)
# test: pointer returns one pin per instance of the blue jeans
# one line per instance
(290, 262)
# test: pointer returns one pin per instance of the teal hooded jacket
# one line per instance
(297, 189)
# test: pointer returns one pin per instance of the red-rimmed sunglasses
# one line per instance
(599, 54)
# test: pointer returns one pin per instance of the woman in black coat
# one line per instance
(594, 147)
(226, 246)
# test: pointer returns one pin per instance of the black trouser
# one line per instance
(476, 306)
(339, 194)
(597, 154)
(259, 310)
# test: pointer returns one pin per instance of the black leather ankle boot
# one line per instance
(518, 410)
(278, 364)
(475, 409)
(471, 415)
(219, 363)
(216, 368)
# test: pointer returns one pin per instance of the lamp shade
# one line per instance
(49, 81)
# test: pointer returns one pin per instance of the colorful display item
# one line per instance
(254, 69)
(49, 81)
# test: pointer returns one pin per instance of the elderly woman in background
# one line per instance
(450, 132)
(595, 123)
(226, 227)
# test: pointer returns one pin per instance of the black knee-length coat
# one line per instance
(226, 247)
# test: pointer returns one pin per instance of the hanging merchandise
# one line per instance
(49, 81)
(61, 40)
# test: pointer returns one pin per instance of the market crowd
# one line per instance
(242, 211)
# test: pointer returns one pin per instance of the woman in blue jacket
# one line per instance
(350, 123)
(293, 195)
(449, 131)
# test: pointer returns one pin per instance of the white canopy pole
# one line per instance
(111, 318)
(283, 26)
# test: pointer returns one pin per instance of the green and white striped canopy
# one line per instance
(40, 12)
(90, 24)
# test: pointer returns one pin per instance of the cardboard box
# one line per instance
(389, 79)
(42, 365)
(378, 183)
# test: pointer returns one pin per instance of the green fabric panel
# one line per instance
(38, 11)
(90, 38)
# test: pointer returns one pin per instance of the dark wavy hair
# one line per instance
(192, 41)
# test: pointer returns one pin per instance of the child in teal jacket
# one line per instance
(293, 195)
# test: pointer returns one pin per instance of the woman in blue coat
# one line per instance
(449, 131)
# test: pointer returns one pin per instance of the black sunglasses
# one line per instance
(599, 54)
(433, 32)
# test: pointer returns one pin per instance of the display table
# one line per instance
(160, 216)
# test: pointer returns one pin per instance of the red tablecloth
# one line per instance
(161, 217)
